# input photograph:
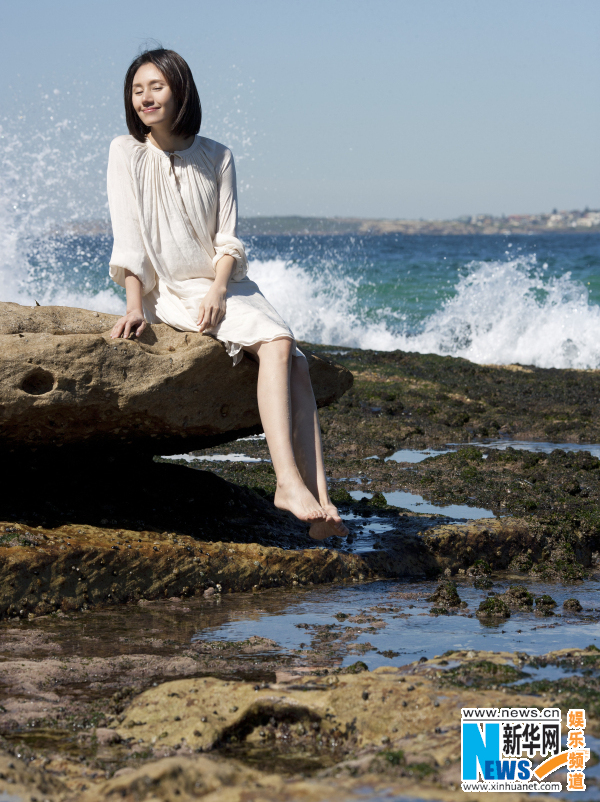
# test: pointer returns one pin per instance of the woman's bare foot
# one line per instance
(333, 518)
(297, 499)
(332, 527)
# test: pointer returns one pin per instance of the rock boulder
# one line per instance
(63, 381)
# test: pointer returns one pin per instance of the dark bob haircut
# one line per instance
(188, 112)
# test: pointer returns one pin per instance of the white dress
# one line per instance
(171, 225)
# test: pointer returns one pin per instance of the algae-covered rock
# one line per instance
(75, 567)
(483, 673)
(572, 605)
(445, 595)
(480, 568)
(521, 562)
(518, 598)
(544, 605)
(493, 607)
(478, 545)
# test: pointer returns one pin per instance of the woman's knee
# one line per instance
(279, 349)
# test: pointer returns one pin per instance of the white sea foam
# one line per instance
(509, 312)
(321, 308)
(502, 312)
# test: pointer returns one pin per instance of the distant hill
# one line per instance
(479, 224)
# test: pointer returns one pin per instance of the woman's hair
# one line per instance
(188, 112)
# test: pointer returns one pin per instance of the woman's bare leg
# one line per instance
(306, 433)
(275, 407)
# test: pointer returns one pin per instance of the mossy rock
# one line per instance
(355, 668)
(493, 607)
(572, 605)
(483, 583)
(518, 597)
(393, 757)
(446, 595)
(545, 601)
(341, 496)
(480, 568)
(521, 563)
(483, 673)
(544, 606)
(378, 500)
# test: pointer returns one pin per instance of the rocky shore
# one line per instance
(304, 734)
(132, 705)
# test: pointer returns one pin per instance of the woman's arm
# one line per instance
(212, 307)
(225, 241)
(129, 254)
(133, 320)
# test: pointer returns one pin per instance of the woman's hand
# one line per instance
(212, 308)
(131, 322)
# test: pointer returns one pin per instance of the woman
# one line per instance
(173, 206)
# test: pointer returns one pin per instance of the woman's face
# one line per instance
(152, 97)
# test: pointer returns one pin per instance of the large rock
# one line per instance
(64, 381)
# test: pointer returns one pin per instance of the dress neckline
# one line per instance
(181, 153)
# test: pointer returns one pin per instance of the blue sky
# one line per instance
(405, 108)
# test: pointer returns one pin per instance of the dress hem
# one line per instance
(235, 350)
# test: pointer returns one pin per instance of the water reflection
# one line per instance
(416, 503)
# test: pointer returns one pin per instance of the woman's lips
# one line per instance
(154, 108)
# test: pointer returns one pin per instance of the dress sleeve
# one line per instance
(226, 241)
(129, 251)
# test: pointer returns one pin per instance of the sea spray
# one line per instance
(54, 147)
(500, 312)
(511, 312)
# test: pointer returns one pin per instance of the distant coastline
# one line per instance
(294, 225)
(566, 221)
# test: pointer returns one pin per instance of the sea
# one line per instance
(525, 299)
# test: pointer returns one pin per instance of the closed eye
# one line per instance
(154, 89)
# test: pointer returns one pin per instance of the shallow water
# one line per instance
(408, 629)
(215, 458)
(416, 503)
(543, 448)
(413, 456)
(404, 624)
(382, 623)
(4, 797)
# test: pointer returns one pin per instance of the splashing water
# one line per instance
(320, 307)
(462, 296)
(53, 157)
(507, 312)
(500, 312)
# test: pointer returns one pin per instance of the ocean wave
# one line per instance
(501, 312)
